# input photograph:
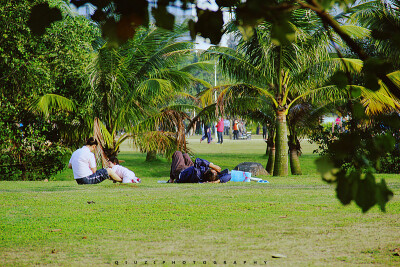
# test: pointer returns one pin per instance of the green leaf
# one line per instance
(366, 192)
(339, 78)
(384, 143)
(358, 111)
(41, 17)
(325, 166)
(371, 82)
(345, 146)
(282, 33)
(226, 3)
(374, 67)
(355, 91)
(246, 31)
(210, 25)
(383, 194)
(109, 31)
(343, 189)
(163, 18)
(192, 29)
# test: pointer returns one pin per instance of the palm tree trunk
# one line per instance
(151, 155)
(271, 159)
(295, 167)
(281, 145)
(294, 151)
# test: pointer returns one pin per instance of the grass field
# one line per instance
(292, 221)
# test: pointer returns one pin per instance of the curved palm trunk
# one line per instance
(270, 151)
(151, 155)
(281, 145)
(294, 152)
(270, 141)
(295, 167)
(271, 159)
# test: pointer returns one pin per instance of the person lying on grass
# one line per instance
(127, 175)
(183, 170)
(83, 165)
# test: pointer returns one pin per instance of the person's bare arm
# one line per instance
(93, 169)
(215, 167)
(70, 165)
(113, 175)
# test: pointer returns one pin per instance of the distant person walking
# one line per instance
(207, 133)
(220, 130)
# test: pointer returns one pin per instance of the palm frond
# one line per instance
(356, 32)
(155, 90)
(233, 64)
(163, 58)
(48, 103)
(203, 66)
(233, 92)
(323, 94)
(168, 125)
(207, 114)
(157, 141)
(381, 101)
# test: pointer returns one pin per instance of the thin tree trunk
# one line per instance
(295, 167)
(271, 160)
(151, 156)
(281, 145)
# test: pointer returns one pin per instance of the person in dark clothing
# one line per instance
(183, 170)
(264, 131)
(207, 133)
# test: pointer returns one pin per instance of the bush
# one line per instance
(370, 136)
(391, 162)
(26, 154)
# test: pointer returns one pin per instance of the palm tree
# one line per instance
(383, 19)
(273, 70)
(286, 73)
(137, 81)
(131, 85)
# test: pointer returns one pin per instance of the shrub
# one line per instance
(26, 154)
(370, 136)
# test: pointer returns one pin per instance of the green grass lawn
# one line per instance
(62, 223)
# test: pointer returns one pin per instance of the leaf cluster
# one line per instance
(351, 158)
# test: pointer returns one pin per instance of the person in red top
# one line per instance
(220, 130)
(235, 130)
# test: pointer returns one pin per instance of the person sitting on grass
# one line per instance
(183, 170)
(83, 165)
(127, 175)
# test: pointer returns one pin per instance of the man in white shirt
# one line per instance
(83, 165)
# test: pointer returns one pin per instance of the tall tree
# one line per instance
(137, 81)
(30, 67)
(263, 67)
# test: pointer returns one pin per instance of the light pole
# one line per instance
(215, 95)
